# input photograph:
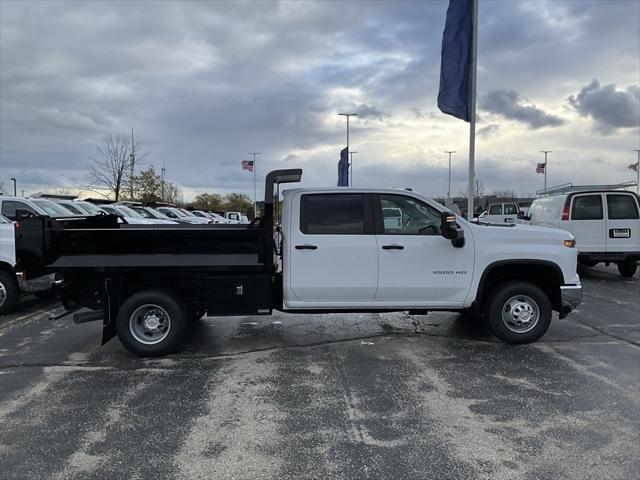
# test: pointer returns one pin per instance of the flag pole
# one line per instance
(255, 198)
(472, 113)
(638, 174)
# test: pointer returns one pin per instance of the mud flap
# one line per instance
(110, 305)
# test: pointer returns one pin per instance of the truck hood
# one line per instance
(519, 230)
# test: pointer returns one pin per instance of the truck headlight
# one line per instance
(570, 243)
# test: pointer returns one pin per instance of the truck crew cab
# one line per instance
(335, 251)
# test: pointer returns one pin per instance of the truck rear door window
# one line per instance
(621, 207)
(495, 210)
(332, 214)
(510, 209)
(587, 207)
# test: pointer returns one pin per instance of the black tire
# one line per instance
(627, 269)
(169, 308)
(9, 292)
(531, 298)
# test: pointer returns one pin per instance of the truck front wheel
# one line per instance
(627, 269)
(518, 312)
(152, 323)
(9, 292)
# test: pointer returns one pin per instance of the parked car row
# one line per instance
(21, 272)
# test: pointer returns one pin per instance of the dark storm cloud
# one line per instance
(513, 106)
(609, 107)
(202, 83)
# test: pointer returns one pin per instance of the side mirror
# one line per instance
(520, 215)
(450, 230)
(22, 214)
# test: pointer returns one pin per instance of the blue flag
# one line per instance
(343, 168)
(454, 97)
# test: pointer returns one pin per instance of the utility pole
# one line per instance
(351, 168)
(14, 187)
(449, 190)
(638, 173)
(162, 172)
(545, 166)
(255, 198)
(133, 162)
(348, 115)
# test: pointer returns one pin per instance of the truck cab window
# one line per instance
(587, 207)
(495, 210)
(337, 214)
(510, 209)
(621, 207)
(408, 216)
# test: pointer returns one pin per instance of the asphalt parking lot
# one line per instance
(337, 396)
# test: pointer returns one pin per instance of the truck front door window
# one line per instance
(408, 216)
(510, 209)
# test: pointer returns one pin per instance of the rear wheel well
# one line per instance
(5, 267)
(546, 276)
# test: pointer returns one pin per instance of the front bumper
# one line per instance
(570, 298)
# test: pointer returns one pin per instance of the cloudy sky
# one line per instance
(203, 83)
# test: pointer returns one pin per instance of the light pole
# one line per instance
(15, 191)
(162, 172)
(255, 203)
(348, 115)
(132, 157)
(545, 166)
(351, 168)
(449, 190)
(638, 173)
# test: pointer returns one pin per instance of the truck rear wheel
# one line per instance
(9, 292)
(518, 312)
(152, 323)
(627, 269)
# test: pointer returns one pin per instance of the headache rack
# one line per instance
(570, 187)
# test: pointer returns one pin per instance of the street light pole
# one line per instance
(638, 173)
(351, 168)
(348, 115)
(255, 202)
(545, 166)
(449, 190)
(162, 172)
(15, 191)
(133, 162)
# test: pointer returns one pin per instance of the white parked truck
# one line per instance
(337, 253)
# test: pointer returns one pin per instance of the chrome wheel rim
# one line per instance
(149, 324)
(520, 314)
(3, 294)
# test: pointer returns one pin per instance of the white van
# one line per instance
(606, 224)
(502, 213)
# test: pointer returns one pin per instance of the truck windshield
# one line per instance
(90, 208)
(53, 208)
(129, 212)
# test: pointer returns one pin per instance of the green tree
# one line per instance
(148, 185)
(238, 202)
(209, 201)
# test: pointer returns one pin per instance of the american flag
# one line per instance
(634, 166)
(247, 165)
(540, 167)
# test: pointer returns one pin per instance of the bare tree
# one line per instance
(111, 168)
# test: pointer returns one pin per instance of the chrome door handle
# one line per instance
(306, 247)
(393, 247)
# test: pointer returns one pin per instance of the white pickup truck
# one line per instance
(336, 251)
